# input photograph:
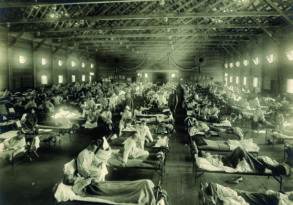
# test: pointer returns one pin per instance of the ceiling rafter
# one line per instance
(241, 14)
(9, 4)
(275, 7)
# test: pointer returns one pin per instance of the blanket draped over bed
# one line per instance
(219, 194)
(138, 192)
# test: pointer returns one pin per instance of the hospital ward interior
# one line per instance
(146, 102)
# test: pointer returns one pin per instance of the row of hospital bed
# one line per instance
(146, 191)
(211, 143)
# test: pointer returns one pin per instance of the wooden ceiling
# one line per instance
(151, 27)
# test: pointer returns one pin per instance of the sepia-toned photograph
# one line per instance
(146, 102)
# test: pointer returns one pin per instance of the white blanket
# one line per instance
(8, 135)
(246, 144)
(138, 192)
(213, 164)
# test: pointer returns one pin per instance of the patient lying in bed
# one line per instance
(241, 161)
(12, 147)
(212, 193)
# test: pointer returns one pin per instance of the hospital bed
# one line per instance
(69, 197)
(215, 135)
(146, 192)
(161, 142)
(154, 162)
(201, 166)
(222, 146)
(217, 193)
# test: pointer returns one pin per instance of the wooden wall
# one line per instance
(20, 76)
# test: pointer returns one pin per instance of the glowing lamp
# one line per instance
(21, 59)
(44, 61)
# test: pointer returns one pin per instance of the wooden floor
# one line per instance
(179, 181)
(31, 183)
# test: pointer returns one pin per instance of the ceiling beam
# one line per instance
(286, 17)
(157, 35)
(16, 4)
(150, 17)
(154, 41)
(150, 27)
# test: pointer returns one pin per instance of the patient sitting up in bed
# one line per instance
(131, 150)
(91, 162)
(144, 134)
(92, 187)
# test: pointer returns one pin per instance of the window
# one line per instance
(237, 80)
(44, 80)
(83, 78)
(60, 79)
(290, 55)
(92, 65)
(226, 74)
(231, 65)
(21, 60)
(231, 79)
(290, 86)
(173, 75)
(237, 64)
(73, 78)
(92, 74)
(73, 64)
(244, 80)
(139, 74)
(60, 63)
(256, 60)
(226, 65)
(83, 65)
(90, 78)
(255, 82)
(44, 61)
(270, 58)
(226, 80)
(146, 75)
(245, 62)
